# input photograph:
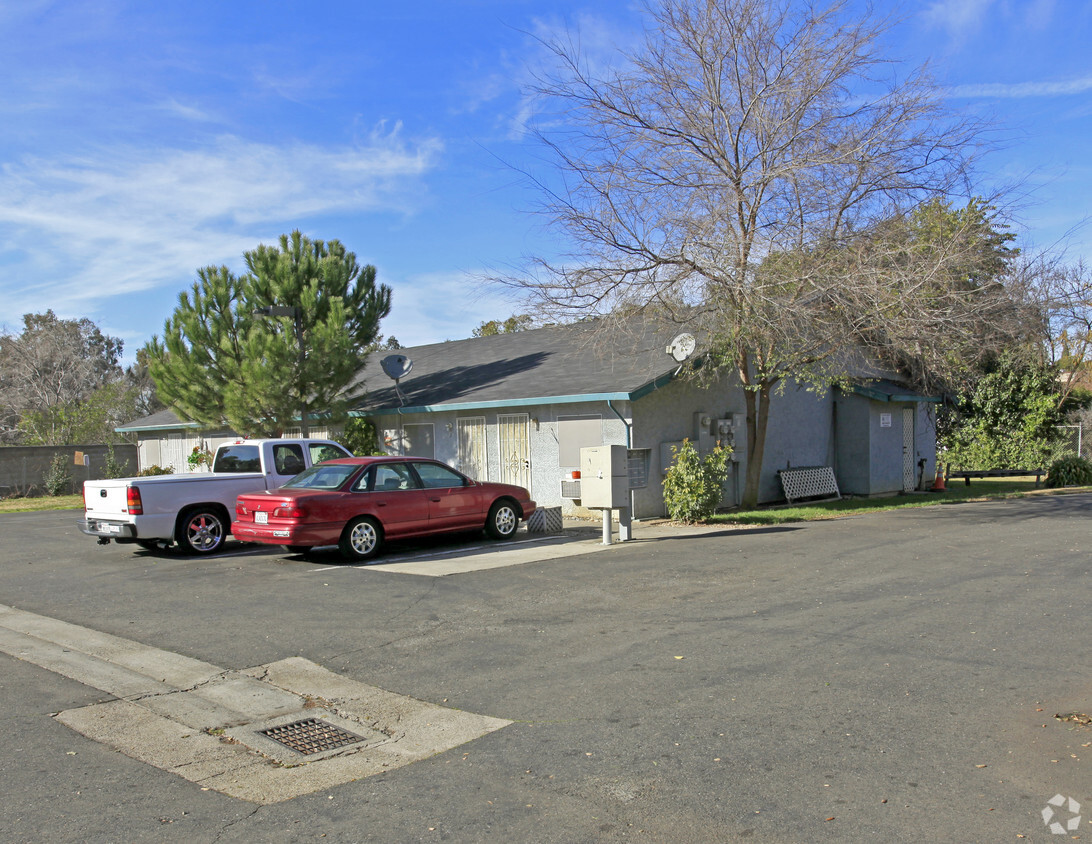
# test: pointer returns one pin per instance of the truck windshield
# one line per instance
(322, 477)
(238, 458)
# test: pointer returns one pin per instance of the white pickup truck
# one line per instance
(195, 509)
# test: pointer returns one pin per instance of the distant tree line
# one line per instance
(61, 382)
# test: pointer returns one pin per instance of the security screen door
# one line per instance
(908, 449)
(471, 456)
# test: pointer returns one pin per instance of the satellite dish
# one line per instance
(682, 347)
(396, 366)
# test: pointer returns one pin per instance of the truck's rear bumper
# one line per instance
(107, 528)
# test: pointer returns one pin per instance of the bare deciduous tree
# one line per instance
(52, 365)
(754, 172)
(1064, 292)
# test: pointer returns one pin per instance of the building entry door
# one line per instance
(908, 481)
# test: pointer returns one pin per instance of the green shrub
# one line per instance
(694, 485)
(1069, 471)
(360, 437)
(148, 471)
(58, 480)
(114, 467)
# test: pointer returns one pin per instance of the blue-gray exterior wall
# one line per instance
(870, 454)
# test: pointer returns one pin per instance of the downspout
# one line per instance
(629, 437)
(629, 444)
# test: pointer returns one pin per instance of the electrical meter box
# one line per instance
(604, 477)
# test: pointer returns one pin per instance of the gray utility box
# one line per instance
(604, 477)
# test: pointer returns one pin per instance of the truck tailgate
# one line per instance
(104, 499)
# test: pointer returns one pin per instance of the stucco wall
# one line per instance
(870, 455)
(800, 432)
(668, 415)
(854, 451)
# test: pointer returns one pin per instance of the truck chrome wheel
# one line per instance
(202, 531)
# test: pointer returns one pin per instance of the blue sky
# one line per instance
(140, 141)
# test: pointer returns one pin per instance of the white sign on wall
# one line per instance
(885, 420)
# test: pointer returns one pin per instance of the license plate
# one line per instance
(261, 518)
(113, 528)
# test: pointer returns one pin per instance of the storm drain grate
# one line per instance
(310, 736)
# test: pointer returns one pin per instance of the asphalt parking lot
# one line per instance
(891, 677)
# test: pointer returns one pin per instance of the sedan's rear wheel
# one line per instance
(361, 539)
(503, 520)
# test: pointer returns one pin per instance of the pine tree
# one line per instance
(221, 362)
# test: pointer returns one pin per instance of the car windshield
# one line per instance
(323, 476)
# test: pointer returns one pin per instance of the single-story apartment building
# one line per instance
(518, 408)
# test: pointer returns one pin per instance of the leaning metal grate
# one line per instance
(310, 736)
(808, 482)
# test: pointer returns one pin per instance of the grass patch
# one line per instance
(980, 490)
(45, 502)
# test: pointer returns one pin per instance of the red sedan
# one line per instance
(358, 502)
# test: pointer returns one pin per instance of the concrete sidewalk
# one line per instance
(578, 537)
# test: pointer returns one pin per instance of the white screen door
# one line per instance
(515, 450)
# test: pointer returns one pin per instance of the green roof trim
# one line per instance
(877, 393)
(498, 403)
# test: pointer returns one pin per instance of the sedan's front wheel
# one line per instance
(503, 520)
(361, 539)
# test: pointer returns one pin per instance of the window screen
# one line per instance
(575, 433)
(417, 437)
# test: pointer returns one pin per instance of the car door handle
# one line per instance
(435, 500)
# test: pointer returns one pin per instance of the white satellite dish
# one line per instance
(682, 347)
(397, 366)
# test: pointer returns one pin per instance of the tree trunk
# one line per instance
(758, 415)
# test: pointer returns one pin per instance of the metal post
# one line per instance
(606, 527)
(625, 532)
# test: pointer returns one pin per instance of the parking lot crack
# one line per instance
(239, 820)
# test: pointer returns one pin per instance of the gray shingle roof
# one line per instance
(557, 364)
(543, 365)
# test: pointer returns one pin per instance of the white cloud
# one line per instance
(1023, 89)
(599, 42)
(432, 307)
(128, 219)
(957, 16)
